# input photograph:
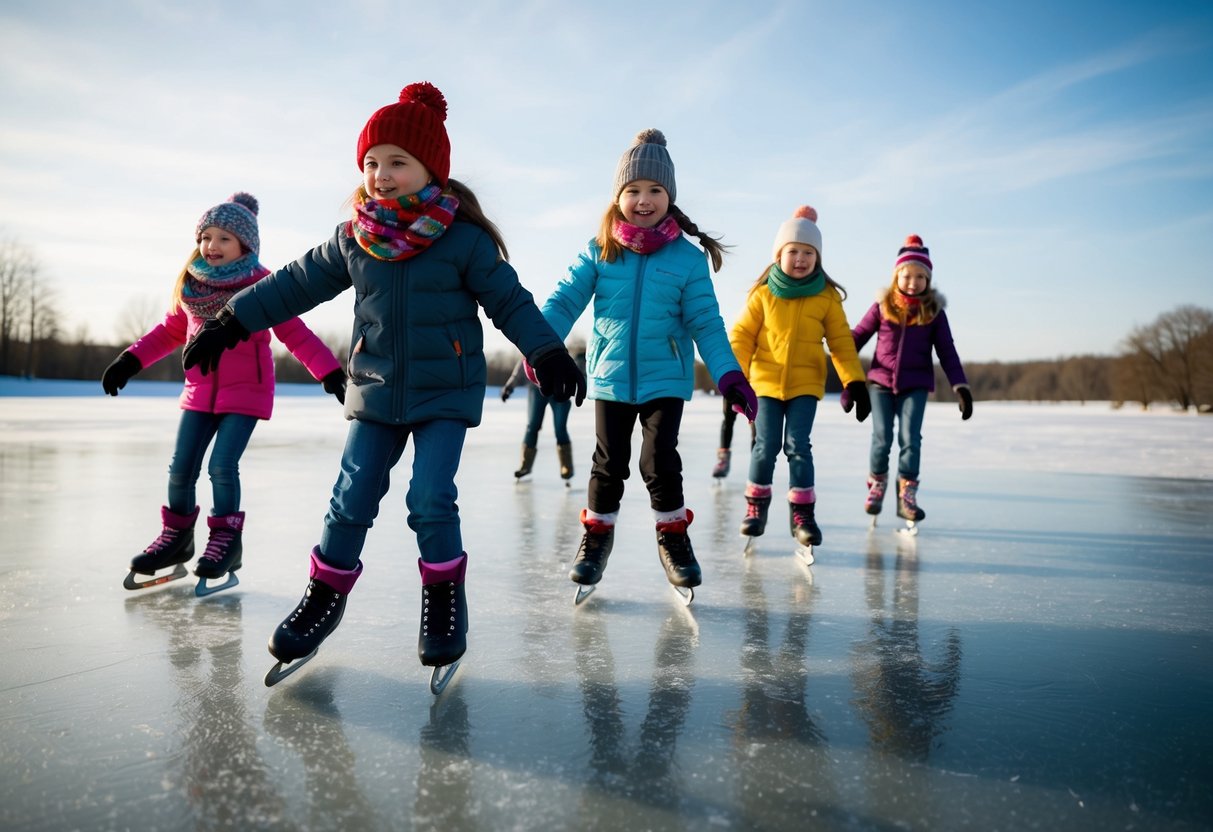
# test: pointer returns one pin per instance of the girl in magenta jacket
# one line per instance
(909, 323)
(223, 406)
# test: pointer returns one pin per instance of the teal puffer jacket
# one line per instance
(650, 312)
(417, 346)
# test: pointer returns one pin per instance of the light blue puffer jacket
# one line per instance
(650, 312)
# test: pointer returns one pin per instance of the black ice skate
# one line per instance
(528, 462)
(874, 502)
(222, 555)
(678, 558)
(296, 640)
(174, 547)
(755, 521)
(804, 528)
(442, 640)
(592, 554)
(564, 453)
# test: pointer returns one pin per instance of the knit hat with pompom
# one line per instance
(239, 216)
(647, 158)
(801, 228)
(415, 123)
(913, 251)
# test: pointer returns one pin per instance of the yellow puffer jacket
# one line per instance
(778, 342)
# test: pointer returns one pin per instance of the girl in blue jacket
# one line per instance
(653, 304)
(422, 258)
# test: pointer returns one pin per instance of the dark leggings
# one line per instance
(660, 464)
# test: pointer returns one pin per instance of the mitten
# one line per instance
(966, 400)
(559, 378)
(221, 333)
(334, 384)
(844, 399)
(738, 392)
(857, 397)
(118, 373)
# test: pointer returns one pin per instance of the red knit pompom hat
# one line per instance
(414, 123)
(913, 251)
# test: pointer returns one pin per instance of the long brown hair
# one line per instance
(611, 249)
(469, 211)
(179, 286)
(928, 306)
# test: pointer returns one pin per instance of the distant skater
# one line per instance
(909, 322)
(223, 407)
(791, 310)
(422, 259)
(537, 403)
(724, 453)
(653, 304)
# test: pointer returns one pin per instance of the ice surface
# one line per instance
(1039, 657)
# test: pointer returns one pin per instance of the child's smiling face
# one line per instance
(390, 172)
(644, 203)
(218, 247)
(798, 260)
(912, 279)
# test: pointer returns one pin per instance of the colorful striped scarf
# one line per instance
(646, 240)
(208, 288)
(397, 229)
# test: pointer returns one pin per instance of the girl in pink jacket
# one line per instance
(223, 406)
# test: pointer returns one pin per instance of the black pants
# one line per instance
(660, 464)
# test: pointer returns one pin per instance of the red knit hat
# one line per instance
(415, 123)
(913, 251)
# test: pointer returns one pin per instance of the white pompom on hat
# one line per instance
(801, 228)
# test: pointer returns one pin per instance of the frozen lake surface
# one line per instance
(1040, 657)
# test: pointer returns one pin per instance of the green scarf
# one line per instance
(786, 287)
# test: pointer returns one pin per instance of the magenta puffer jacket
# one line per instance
(244, 382)
(903, 360)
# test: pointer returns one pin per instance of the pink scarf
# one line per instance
(646, 240)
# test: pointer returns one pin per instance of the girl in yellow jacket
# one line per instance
(793, 307)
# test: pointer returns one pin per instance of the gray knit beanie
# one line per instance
(647, 158)
(239, 216)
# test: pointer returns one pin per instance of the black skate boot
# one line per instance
(527, 463)
(174, 547)
(877, 483)
(222, 555)
(442, 639)
(592, 554)
(565, 454)
(755, 521)
(907, 505)
(678, 558)
(319, 611)
(724, 458)
(803, 524)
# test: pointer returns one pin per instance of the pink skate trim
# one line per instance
(173, 520)
(755, 490)
(677, 526)
(341, 580)
(448, 570)
(802, 496)
(597, 523)
(235, 522)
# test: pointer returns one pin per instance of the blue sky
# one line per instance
(1056, 158)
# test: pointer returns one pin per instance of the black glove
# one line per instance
(221, 333)
(334, 384)
(857, 397)
(559, 377)
(118, 373)
(966, 402)
(506, 390)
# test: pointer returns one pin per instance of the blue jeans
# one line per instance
(788, 423)
(231, 432)
(536, 404)
(372, 449)
(908, 407)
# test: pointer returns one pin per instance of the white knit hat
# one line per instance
(801, 228)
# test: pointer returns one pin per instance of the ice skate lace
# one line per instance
(909, 498)
(753, 511)
(876, 489)
(802, 517)
(678, 548)
(432, 602)
(314, 607)
(166, 539)
(217, 546)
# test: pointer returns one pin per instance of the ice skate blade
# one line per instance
(283, 669)
(872, 525)
(751, 546)
(442, 675)
(583, 591)
(685, 594)
(805, 555)
(203, 589)
(132, 583)
(910, 530)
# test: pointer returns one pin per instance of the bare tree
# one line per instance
(42, 321)
(140, 315)
(1169, 349)
(17, 267)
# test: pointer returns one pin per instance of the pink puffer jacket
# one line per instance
(244, 382)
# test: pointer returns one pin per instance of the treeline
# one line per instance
(1168, 361)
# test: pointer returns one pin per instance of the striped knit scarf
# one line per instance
(208, 288)
(646, 240)
(397, 229)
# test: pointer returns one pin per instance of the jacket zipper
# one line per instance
(633, 370)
